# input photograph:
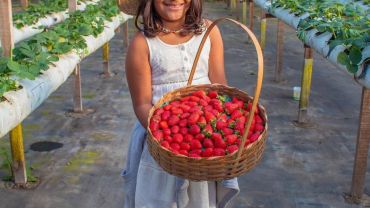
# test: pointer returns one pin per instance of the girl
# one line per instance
(159, 60)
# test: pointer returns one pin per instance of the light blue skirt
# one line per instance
(148, 185)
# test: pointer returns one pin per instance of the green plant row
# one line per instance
(349, 25)
(37, 11)
(33, 56)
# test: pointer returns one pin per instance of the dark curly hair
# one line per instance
(152, 24)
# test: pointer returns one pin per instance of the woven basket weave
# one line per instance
(128, 6)
(221, 167)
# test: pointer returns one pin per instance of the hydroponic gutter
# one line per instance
(19, 104)
(320, 42)
(47, 21)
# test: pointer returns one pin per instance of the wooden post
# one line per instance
(16, 138)
(125, 33)
(244, 15)
(279, 50)
(251, 15)
(362, 148)
(107, 72)
(305, 85)
(77, 96)
(233, 6)
(72, 5)
(263, 29)
(24, 4)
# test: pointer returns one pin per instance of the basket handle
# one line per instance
(259, 74)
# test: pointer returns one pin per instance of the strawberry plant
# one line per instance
(206, 132)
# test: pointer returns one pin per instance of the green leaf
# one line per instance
(343, 58)
(14, 66)
(352, 68)
(355, 55)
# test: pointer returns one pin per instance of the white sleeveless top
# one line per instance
(171, 64)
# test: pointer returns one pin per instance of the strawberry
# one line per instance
(208, 108)
(199, 93)
(200, 137)
(183, 152)
(183, 123)
(159, 111)
(173, 120)
(207, 143)
(212, 94)
(202, 121)
(188, 138)
(207, 130)
(167, 131)
(218, 152)
(185, 108)
(158, 135)
(167, 107)
(259, 128)
(156, 118)
(184, 130)
(168, 138)
(239, 127)
(219, 143)
(153, 126)
(242, 119)
(165, 144)
(231, 123)
(193, 118)
(195, 144)
(175, 146)
(194, 98)
(175, 103)
(195, 151)
(177, 138)
(258, 119)
(196, 109)
(175, 129)
(165, 115)
(226, 131)
(238, 102)
(222, 117)
(220, 125)
(236, 114)
(208, 152)
(231, 149)
(184, 115)
(192, 104)
(254, 137)
(176, 111)
(194, 155)
(203, 102)
(176, 152)
(216, 136)
(209, 117)
(184, 99)
(163, 125)
(230, 107)
(247, 142)
(194, 129)
(185, 146)
(230, 139)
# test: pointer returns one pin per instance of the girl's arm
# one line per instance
(216, 72)
(138, 74)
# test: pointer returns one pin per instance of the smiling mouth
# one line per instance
(174, 6)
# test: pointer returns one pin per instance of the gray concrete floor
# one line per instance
(301, 167)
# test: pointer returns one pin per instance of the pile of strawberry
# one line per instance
(204, 125)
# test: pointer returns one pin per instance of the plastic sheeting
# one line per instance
(47, 21)
(19, 104)
(319, 41)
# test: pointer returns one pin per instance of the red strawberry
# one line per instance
(163, 125)
(239, 127)
(184, 99)
(254, 137)
(207, 143)
(188, 138)
(231, 149)
(216, 136)
(167, 131)
(185, 146)
(185, 108)
(184, 115)
(200, 137)
(231, 123)
(203, 102)
(177, 138)
(165, 115)
(158, 135)
(236, 114)
(165, 144)
(194, 129)
(196, 109)
(175, 103)
(218, 152)
(183, 152)
(207, 130)
(242, 119)
(176, 111)
(247, 142)
(212, 94)
(258, 119)
(220, 125)
(175, 129)
(192, 104)
(159, 111)
(238, 102)
(230, 107)
(153, 126)
(194, 98)
(202, 121)
(219, 143)
(184, 130)
(226, 131)
(199, 93)
(208, 152)
(230, 139)
(208, 108)
(183, 123)
(167, 107)
(195, 151)
(209, 117)
(193, 118)
(259, 128)
(195, 144)
(168, 138)
(156, 118)
(173, 120)
(222, 117)
(175, 146)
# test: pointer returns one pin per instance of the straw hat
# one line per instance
(128, 6)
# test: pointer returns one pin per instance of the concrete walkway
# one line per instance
(78, 160)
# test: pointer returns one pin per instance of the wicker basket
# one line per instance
(221, 167)
(128, 6)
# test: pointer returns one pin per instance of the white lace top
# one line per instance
(171, 64)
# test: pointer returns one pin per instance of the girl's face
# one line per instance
(172, 10)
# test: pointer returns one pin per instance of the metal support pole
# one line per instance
(279, 50)
(305, 85)
(107, 72)
(77, 96)
(362, 148)
(16, 138)
(263, 29)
